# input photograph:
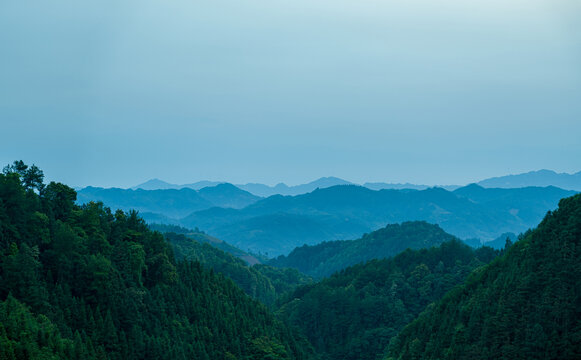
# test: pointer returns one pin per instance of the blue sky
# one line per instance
(112, 93)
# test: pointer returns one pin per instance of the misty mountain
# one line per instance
(399, 186)
(156, 184)
(170, 202)
(540, 178)
(253, 188)
(162, 205)
(283, 189)
(498, 244)
(278, 224)
(328, 257)
(536, 178)
(228, 196)
(202, 184)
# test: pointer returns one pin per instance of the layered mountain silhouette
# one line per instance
(540, 178)
(536, 178)
(162, 206)
(278, 224)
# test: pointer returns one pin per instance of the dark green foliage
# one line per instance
(524, 305)
(263, 283)
(202, 237)
(354, 313)
(81, 282)
(25, 336)
(328, 257)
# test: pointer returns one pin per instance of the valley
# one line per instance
(92, 282)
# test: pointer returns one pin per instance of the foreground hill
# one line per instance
(262, 282)
(278, 224)
(326, 258)
(81, 282)
(536, 307)
(354, 313)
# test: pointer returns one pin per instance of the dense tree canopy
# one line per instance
(524, 305)
(328, 257)
(262, 282)
(354, 313)
(81, 282)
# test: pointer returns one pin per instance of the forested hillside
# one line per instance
(262, 282)
(354, 313)
(326, 258)
(81, 282)
(203, 238)
(525, 305)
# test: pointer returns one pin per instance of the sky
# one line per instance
(113, 93)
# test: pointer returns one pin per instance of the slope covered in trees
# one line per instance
(328, 257)
(81, 282)
(262, 282)
(354, 313)
(203, 238)
(524, 305)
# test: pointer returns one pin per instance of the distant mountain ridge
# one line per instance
(164, 204)
(278, 223)
(256, 189)
(536, 178)
(539, 178)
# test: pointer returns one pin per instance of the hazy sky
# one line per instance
(115, 92)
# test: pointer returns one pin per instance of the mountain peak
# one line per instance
(155, 184)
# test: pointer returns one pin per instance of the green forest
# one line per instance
(329, 257)
(354, 313)
(87, 282)
(82, 282)
(524, 305)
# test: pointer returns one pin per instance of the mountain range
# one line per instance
(536, 178)
(85, 282)
(277, 224)
(533, 178)
(257, 189)
(169, 203)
